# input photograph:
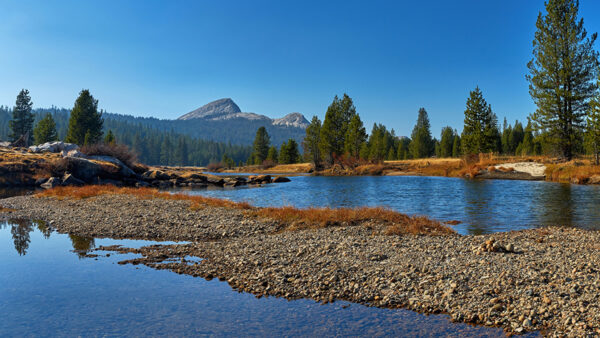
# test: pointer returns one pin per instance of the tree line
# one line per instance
(84, 124)
(564, 81)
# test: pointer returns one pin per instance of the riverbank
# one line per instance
(542, 279)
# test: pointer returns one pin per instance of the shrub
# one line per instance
(118, 151)
(267, 164)
(215, 166)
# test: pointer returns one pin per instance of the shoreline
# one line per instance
(532, 280)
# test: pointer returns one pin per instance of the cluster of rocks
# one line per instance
(68, 166)
(550, 284)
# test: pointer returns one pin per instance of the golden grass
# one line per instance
(296, 168)
(291, 218)
(314, 218)
(576, 171)
(141, 193)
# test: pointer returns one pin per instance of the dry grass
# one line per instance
(576, 171)
(297, 168)
(314, 218)
(141, 193)
(3, 209)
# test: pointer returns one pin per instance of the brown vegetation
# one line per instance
(397, 223)
(580, 171)
(118, 151)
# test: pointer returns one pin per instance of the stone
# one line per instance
(40, 181)
(281, 179)
(156, 175)
(54, 147)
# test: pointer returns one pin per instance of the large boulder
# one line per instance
(85, 169)
(125, 170)
(154, 175)
(260, 179)
(281, 179)
(53, 147)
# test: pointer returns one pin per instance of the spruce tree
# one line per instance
(562, 74)
(22, 118)
(85, 123)
(312, 142)
(356, 135)
(45, 131)
(422, 144)
(480, 133)
(261, 146)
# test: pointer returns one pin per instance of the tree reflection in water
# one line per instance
(81, 245)
(20, 229)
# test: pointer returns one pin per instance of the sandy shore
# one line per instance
(542, 279)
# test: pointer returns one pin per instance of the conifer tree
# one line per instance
(446, 142)
(422, 144)
(45, 131)
(562, 74)
(312, 142)
(272, 155)
(333, 131)
(480, 133)
(593, 126)
(289, 152)
(110, 138)
(356, 135)
(85, 123)
(22, 118)
(515, 138)
(261, 146)
(456, 147)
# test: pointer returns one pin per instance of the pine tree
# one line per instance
(45, 131)
(480, 133)
(85, 123)
(456, 147)
(506, 131)
(333, 131)
(562, 74)
(110, 138)
(272, 154)
(312, 142)
(422, 144)
(515, 138)
(261, 145)
(289, 152)
(356, 135)
(446, 142)
(22, 118)
(593, 126)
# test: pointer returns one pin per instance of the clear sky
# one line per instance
(166, 58)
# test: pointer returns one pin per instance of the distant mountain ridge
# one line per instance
(226, 109)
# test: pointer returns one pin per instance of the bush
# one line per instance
(215, 166)
(267, 164)
(119, 151)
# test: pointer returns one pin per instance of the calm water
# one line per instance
(483, 206)
(48, 289)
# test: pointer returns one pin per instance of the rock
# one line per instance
(142, 184)
(54, 147)
(595, 179)
(125, 170)
(215, 180)
(73, 153)
(281, 179)
(51, 183)
(156, 175)
(108, 181)
(69, 179)
(260, 179)
(84, 169)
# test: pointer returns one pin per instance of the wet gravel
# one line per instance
(543, 280)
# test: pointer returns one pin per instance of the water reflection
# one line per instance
(82, 245)
(20, 229)
(483, 206)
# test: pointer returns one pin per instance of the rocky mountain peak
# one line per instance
(292, 120)
(213, 109)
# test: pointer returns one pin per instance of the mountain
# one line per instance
(226, 109)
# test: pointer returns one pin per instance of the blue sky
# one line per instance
(166, 58)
